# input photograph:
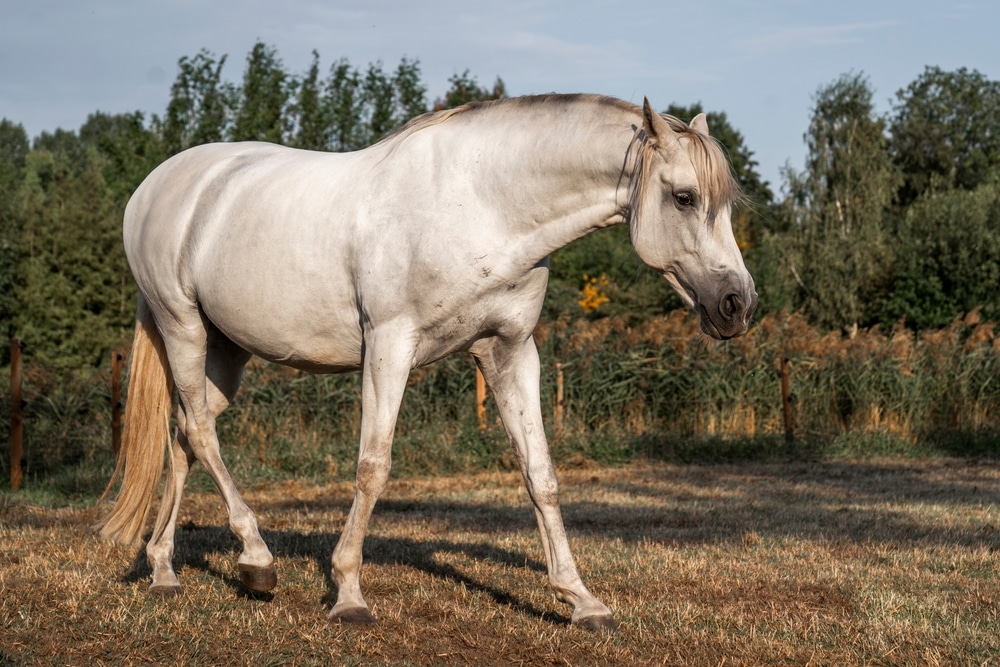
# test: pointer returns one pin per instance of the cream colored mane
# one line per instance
(715, 174)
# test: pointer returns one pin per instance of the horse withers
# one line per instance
(435, 240)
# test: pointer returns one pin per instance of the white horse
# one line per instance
(433, 241)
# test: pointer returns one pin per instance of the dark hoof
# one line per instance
(259, 579)
(598, 624)
(354, 616)
(165, 591)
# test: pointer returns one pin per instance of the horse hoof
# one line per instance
(598, 624)
(165, 590)
(353, 615)
(258, 579)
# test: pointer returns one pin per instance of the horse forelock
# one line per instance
(712, 168)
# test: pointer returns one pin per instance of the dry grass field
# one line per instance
(832, 563)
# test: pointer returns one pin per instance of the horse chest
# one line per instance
(454, 318)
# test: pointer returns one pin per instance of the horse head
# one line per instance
(683, 191)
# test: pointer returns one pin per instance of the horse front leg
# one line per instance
(385, 368)
(512, 371)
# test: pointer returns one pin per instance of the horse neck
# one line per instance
(561, 171)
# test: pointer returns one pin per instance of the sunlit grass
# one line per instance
(883, 561)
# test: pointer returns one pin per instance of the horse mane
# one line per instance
(712, 168)
(432, 118)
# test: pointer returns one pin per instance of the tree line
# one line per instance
(896, 217)
(65, 286)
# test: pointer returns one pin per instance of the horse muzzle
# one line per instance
(729, 315)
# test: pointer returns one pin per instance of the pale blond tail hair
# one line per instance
(145, 436)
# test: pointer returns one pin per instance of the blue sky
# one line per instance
(759, 61)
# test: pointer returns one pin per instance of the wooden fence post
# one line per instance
(480, 399)
(786, 400)
(16, 414)
(560, 399)
(116, 401)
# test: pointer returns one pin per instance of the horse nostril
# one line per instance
(732, 304)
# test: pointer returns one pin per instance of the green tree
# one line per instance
(377, 93)
(130, 150)
(345, 104)
(948, 261)
(312, 123)
(392, 100)
(840, 239)
(359, 110)
(14, 150)
(411, 94)
(346, 111)
(944, 131)
(74, 297)
(465, 88)
(65, 144)
(200, 106)
(261, 103)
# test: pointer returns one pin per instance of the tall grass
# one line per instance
(659, 390)
(668, 391)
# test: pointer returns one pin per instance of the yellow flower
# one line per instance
(592, 295)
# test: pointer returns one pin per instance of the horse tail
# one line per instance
(145, 436)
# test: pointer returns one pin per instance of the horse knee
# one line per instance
(544, 490)
(373, 475)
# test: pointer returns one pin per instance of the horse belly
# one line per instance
(287, 317)
(291, 340)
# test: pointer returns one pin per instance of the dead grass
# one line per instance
(880, 562)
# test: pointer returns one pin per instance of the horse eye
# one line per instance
(684, 199)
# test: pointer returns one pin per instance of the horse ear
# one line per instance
(700, 124)
(654, 125)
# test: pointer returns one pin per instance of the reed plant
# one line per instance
(655, 390)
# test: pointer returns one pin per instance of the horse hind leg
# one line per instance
(255, 564)
(224, 369)
(160, 548)
(206, 389)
